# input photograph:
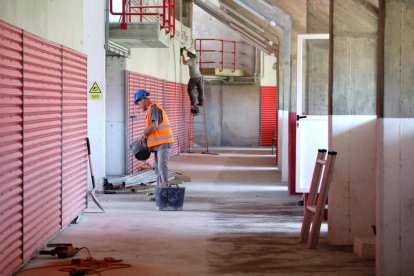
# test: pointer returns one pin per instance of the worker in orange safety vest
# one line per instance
(157, 134)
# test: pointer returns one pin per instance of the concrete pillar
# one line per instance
(395, 189)
(352, 120)
(94, 41)
(116, 123)
(316, 100)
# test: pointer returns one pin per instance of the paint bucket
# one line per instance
(169, 199)
(140, 150)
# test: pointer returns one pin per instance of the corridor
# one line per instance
(237, 219)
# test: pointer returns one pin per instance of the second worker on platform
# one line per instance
(195, 79)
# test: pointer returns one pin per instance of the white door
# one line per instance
(311, 130)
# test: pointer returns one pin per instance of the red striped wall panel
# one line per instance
(268, 115)
(175, 101)
(74, 132)
(42, 142)
(11, 148)
(135, 116)
(186, 132)
(173, 109)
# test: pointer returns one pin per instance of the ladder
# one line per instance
(204, 122)
(314, 209)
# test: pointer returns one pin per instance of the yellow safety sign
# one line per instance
(95, 88)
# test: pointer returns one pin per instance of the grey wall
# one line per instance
(399, 56)
(355, 41)
(232, 111)
(241, 116)
(233, 116)
(316, 92)
(353, 122)
(213, 104)
(115, 116)
(318, 16)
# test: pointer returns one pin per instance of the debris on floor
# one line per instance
(143, 181)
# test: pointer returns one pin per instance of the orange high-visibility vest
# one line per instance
(163, 133)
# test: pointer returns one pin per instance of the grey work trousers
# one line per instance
(193, 82)
(161, 166)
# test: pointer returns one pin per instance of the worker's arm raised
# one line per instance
(185, 62)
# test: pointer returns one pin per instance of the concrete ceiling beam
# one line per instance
(236, 25)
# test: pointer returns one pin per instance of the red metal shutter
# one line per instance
(268, 115)
(187, 122)
(74, 132)
(172, 106)
(176, 103)
(42, 141)
(136, 117)
(35, 112)
(11, 148)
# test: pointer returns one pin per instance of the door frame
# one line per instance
(299, 101)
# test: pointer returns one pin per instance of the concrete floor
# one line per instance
(237, 219)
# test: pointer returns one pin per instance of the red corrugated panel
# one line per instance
(175, 101)
(268, 115)
(42, 141)
(11, 148)
(173, 108)
(74, 132)
(136, 117)
(187, 129)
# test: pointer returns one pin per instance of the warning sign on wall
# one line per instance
(95, 92)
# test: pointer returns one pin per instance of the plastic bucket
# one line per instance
(140, 150)
(169, 199)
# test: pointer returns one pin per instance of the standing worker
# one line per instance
(195, 79)
(158, 134)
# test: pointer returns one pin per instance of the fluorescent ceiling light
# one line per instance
(254, 24)
(249, 38)
(252, 11)
(267, 4)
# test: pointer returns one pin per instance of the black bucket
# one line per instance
(140, 150)
(169, 199)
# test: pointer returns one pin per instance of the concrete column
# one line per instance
(94, 41)
(116, 123)
(352, 120)
(395, 189)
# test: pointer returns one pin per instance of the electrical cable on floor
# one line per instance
(78, 267)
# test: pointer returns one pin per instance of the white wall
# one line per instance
(163, 63)
(395, 207)
(59, 21)
(352, 193)
(269, 74)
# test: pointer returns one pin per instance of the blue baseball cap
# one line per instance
(139, 94)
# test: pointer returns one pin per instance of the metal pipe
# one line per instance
(222, 55)
(124, 25)
(234, 56)
(252, 11)
(106, 25)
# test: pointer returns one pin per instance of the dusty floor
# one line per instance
(237, 219)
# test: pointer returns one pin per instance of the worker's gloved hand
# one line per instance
(143, 139)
